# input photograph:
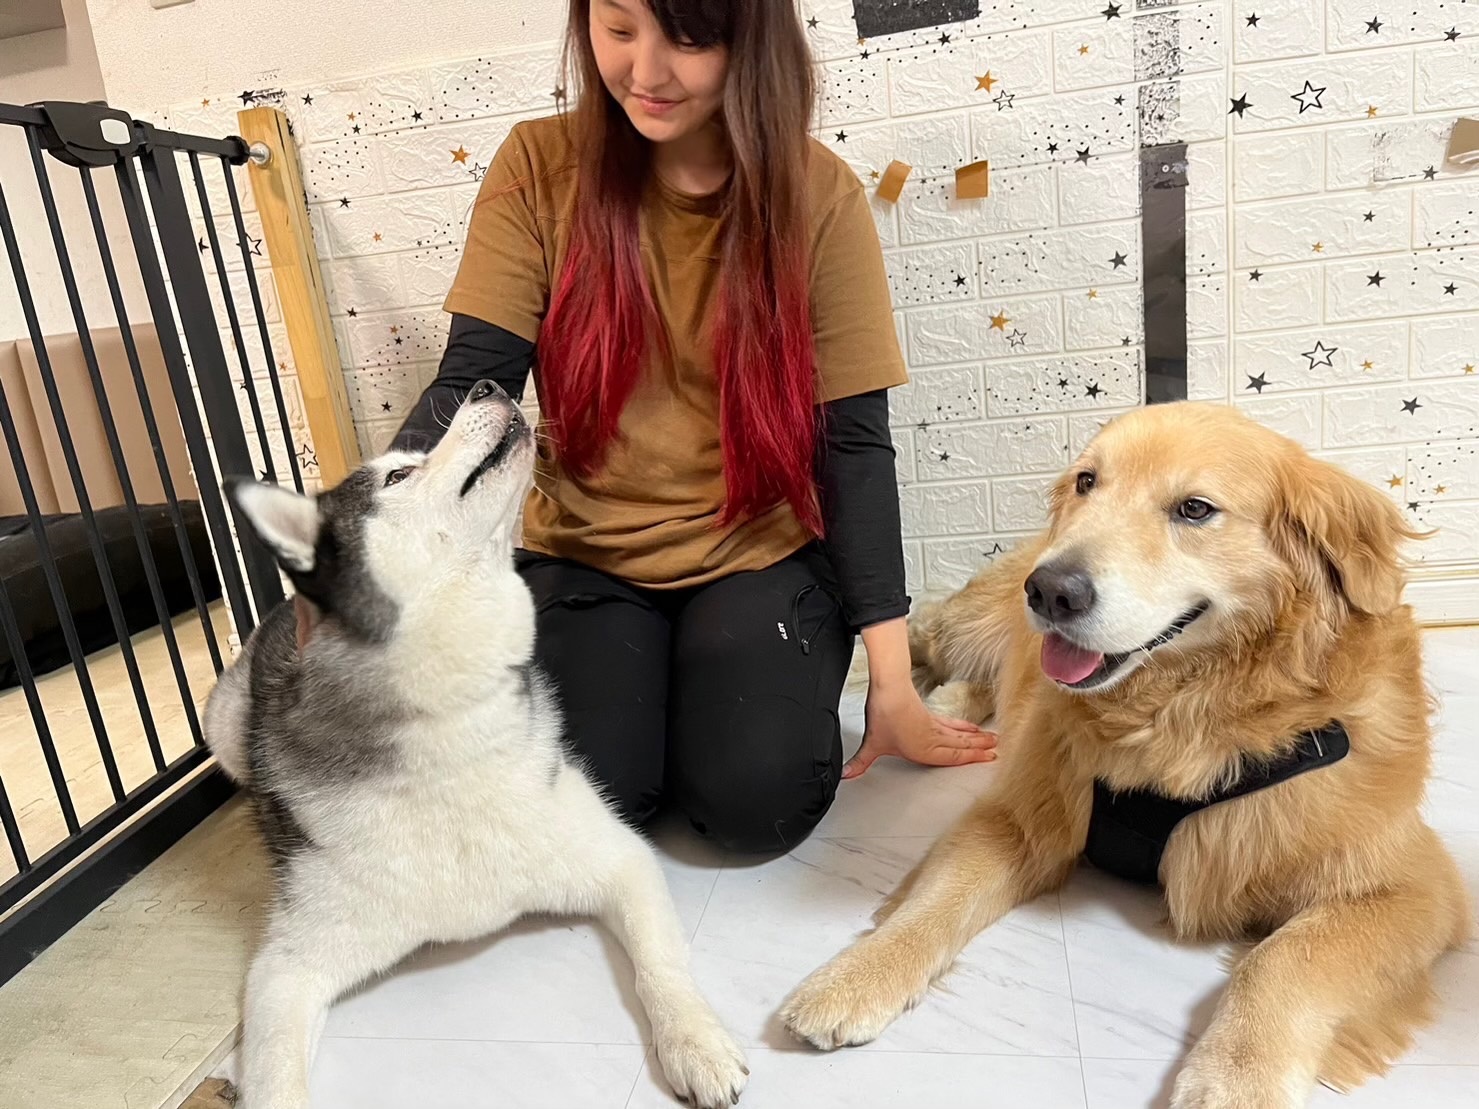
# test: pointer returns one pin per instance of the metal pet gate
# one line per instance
(55, 884)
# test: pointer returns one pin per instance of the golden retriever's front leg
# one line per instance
(1289, 1001)
(974, 874)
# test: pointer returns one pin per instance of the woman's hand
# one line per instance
(898, 723)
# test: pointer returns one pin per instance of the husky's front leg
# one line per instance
(304, 964)
(704, 1065)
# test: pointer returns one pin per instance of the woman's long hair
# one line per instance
(602, 323)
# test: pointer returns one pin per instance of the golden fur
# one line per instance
(1351, 896)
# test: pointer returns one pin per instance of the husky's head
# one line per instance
(394, 538)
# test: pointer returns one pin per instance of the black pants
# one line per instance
(720, 699)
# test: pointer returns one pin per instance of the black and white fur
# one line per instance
(405, 757)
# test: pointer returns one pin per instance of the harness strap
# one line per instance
(1128, 829)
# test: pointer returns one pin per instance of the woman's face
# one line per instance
(668, 90)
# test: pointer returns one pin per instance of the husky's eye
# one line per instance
(1195, 510)
(1084, 482)
(395, 477)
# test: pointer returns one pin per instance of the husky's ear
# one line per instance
(286, 521)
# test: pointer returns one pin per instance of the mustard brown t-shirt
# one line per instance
(649, 514)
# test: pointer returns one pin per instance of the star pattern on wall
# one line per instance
(1411, 406)
(986, 81)
(1240, 105)
(1257, 383)
(1252, 20)
(1111, 12)
(1321, 355)
(1308, 97)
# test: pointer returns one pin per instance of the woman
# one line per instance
(716, 509)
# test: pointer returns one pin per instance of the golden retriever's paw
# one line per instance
(845, 1003)
(703, 1064)
(1214, 1080)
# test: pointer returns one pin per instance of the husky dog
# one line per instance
(405, 756)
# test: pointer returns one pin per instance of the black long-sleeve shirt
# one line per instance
(859, 490)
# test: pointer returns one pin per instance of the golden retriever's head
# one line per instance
(1188, 527)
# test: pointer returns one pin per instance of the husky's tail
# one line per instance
(225, 722)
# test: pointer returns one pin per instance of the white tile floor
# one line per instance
(1077, 1000)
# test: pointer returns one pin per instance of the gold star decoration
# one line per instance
(1440, 489)
(873, 174)
(459, 156)
(351, 117)
(987, 81)
(1366, 365)
(1083, 50)
(206, 103)
(1093, 294)
(378, 236)
(394, 330)
(1469, 368)
(1370, 110)
(862, 42)
(999, 321)
(1318, 248)
(1394, 481)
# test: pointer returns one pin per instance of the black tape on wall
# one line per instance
(1163, 246)
(888, 17)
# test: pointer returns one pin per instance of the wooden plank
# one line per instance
(278, 188)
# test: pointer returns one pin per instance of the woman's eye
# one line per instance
(1084, 483)
(1195, 510)
(395, 477)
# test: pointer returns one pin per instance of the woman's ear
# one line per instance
(1344, 532)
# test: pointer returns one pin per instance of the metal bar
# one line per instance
(13, 832)
(247, 385)
(251, 272)
(151, 424)
(33, 700)
(69, 452)
(33, 511)
(26, 117)
(197, 319)
(72, 895)
(211, 503)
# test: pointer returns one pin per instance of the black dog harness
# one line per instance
(1128, 829)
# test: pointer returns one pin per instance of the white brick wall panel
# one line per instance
(1103, 321)
(959, 508)
(935, 396)
(1060, 259)
(904, 455)
(1206, 306)
(836, 32)
(1377, 465)
(1360, 417)
(374, 438)
(1108, 188)
(1021, 504)
(1352, 84)
(1062, 384)
(1288, 230)
(1448, 75)
(1206, 175)
(933, 145)
(346, 167)
(517, 81)
(1082, 429)
(409, 222)
(1348, 23)
(1383, 152)
(1446, 347)
(1206, 242)
(964, 333)
(1284, 29)
(1203, 40)
(1206, 370)
(1090, 56)
(913, 567)
(852, 91)
(369, 392)
(1296, 416)
(950, 563)
(1456, 525)
(385, 102)
(368, 284)
(1443, 214)
(1077, 121)
(1443, 470)
(928, 274)
(1412, 284)
(1269, 166)
(1284, 297)
(422, 335)
(1280, 360)
(423, 157)
(1190, 109)
(427, 274)
(922, 81)
(241, 298)
(954, 451)
(1020, 200)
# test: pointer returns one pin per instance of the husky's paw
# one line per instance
(703, 1064)
(847, 1002)
(1213, 1079)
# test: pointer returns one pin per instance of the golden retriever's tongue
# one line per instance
(1066, 663)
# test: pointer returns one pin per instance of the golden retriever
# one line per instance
(1206, 592)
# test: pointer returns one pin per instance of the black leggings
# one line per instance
(720, 699)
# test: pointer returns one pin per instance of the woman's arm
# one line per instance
(475, 350)
(860, 507)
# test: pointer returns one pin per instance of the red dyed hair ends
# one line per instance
(602, 323)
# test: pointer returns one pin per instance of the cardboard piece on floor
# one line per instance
(1463, 143)
(973, 182)
(892, 183)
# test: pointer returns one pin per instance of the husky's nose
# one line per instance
(483, 390)
(1058, 592)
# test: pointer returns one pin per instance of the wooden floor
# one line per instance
(23, 768)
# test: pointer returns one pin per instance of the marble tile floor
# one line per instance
(1076, 1001)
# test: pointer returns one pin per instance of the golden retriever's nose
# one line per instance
(1057, 592)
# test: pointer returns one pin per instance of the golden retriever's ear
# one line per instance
(1343, 530)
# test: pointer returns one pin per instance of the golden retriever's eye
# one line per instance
(1196, 510)
(395, 477)
(1084, 482)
